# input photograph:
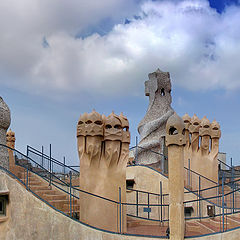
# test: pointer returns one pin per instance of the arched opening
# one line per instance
(162, 92)
(173, 131)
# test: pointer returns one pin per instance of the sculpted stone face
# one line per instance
(103, 159)
(94, 124)
(175, 131)
(125, 129)
(113, 128)
(204, 129)
(90, 124)
(215, 130)
(10, 136)
(202, 159)
(186, 119)
(81, 129)
(194, 124)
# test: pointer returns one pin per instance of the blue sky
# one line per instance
(60, 59)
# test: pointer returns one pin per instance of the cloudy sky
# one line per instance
(61, 58)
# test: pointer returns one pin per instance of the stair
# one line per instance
(57, 198)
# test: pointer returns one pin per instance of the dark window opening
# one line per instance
(183, 131)
(162, 92)
(211, 210)
(108, 126)
(188, 211)
(2, 206)
(130, 183)
(173, 131)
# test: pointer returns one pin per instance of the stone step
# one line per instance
(65, 207)
(36, 188)
(49, 197)
(208, 226)
(62, 204)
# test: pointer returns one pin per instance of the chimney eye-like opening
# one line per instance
(173, 131)
(98, 122)
(162, 92)
(88, 122)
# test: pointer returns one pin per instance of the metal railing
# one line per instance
(30, 166)
(51, 164)
(146, 206)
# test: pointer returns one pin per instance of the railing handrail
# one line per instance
(200, 175)
(148, 150)
(230, 168)
(40, 154)
(201, 198)
(77, 189)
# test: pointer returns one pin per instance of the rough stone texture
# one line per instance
(152, 127)
(5, 119)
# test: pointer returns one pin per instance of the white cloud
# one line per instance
(199, 47)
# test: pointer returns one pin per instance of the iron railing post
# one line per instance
(136, 155)
(199, 196)
(70, 191)
(223, 180)
(161, 201)
(50, 164)
(27, 150)
(137, 202)
(64, 161)
(148, 206)
(27, 178)
(42, 155)
(188, 172)
(120, 211)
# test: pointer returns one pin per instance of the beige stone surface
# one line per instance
(10, 136)
(202, 146)
(175, 141)
(103, 147)
(31, 219)
(147, 179)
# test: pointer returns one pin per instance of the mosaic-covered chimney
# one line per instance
(152, 127)
(5, 120)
